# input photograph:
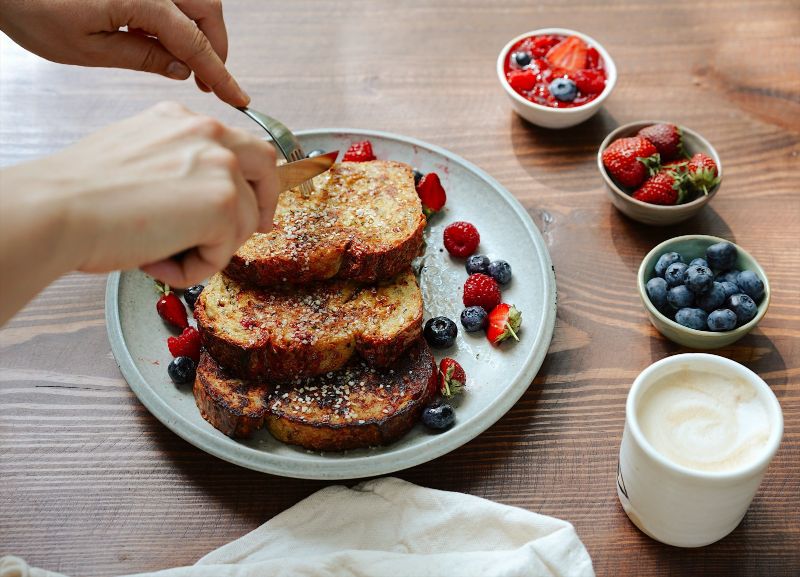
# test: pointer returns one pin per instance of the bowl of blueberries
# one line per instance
(703, 292)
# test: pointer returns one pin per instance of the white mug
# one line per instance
(676, 504)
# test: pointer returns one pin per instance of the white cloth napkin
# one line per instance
(388, 527)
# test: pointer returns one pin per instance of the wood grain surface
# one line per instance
(91, 484)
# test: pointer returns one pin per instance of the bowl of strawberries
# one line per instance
(657, 172)
(556, 77)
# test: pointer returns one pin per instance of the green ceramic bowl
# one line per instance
(690, 247)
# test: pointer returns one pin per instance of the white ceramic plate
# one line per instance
(497, 377)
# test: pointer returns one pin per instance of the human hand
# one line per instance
(139, 191)
(171, 38)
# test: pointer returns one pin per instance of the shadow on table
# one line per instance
(633, 240)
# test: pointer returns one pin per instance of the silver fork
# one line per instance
(286, 142)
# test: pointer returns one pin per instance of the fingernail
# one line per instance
(178, 70)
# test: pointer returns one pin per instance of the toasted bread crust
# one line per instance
(354, 407)
(289, 332)
(363, 222)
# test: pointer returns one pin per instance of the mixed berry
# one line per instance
(653, 166)
(708, 294)
(555, 70)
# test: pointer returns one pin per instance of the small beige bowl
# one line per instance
(556, 117)
(655, 214)
(690, 247)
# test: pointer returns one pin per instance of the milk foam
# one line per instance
(704, 421)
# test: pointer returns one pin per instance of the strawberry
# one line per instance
(481, 290)
(569, 54)
(431, 193)
(359, 152)
(629, 160)
(522, 80)
(666, 188)
(461, 239)
(452, 377)
(702, 172)
(667, 138)
(185, 345)
(589, 81)
(170, 308)
(504, 322)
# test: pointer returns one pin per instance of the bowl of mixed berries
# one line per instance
(657, 172)
(702, 291)
(556, 77)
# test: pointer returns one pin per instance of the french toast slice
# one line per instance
(356, 406)
(287, 332)
(363, 222)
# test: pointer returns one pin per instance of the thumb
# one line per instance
(138, 52)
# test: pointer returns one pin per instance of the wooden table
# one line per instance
(91, 484)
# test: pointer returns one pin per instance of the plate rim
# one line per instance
(347, 468)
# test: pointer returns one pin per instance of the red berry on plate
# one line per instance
(431, 193)
(187, 344)
(461, 239)
(170, 308)
(702, 172)
(359, 152)
(481, 290)
(590, 81)
(504, 323)
(569, 54)
(665, 188)
(452, 377)
(522, 80)
(630, 161)
(667, 138)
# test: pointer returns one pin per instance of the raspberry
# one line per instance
(590, 81)
(481, 290)
(461, 239)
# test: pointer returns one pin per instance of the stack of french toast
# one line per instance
(314, 330)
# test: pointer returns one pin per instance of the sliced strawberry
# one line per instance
(431, 193)
(504, 322)
(452, 377)
(185, 345)
(359, 152)
(569, 54)
(170, 308)
(522, 80)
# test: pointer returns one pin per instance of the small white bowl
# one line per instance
(556, 117)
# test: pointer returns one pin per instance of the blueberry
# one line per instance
(698, 279)
(729, 288)
(699, 262)
(665, 260)
(440, 332)
(722, 320)
(181, 370)
(473, 319)
(743, 306)
(727, 276)
(722, 256)
(477, 263)
(417, 176)
(190, 294)
(657, 292)
(680, 297)
(712, 299)
(315, 152)
(522, 58)
(674, 274)
(438, 416)
(500, 271)
(563, 89)
(692, 318)
(750, 284)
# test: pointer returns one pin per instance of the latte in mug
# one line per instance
(705, 421)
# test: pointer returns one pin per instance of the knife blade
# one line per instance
(295, 173)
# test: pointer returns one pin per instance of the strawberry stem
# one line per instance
(510, 329)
